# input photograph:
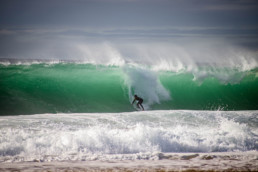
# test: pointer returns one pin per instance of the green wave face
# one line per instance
(211, 94)
(76, 88)
(61, 88)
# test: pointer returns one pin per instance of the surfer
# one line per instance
(140, 100)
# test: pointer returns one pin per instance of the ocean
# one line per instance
(55, 111)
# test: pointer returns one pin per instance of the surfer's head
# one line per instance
(135, 95)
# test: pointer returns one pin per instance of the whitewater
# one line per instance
(131, 135)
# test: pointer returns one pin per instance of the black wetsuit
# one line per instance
(140, 100)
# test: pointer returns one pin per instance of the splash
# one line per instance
(135, 135)
(145, 83)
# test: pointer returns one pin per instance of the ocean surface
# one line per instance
(57, 111)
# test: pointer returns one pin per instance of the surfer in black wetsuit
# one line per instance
(140, 100)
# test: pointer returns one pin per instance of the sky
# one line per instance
(81, 28)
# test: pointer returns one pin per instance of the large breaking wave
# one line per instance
(72, 87)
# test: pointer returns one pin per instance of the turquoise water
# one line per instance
(78, 88)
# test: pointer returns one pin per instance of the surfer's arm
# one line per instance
(133, 101)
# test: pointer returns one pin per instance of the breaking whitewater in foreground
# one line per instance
(133, 141)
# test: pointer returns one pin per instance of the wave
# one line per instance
(53, 87)
(132, 135)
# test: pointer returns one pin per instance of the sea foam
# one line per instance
(49, 137)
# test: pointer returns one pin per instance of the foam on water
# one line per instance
(134, 135)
